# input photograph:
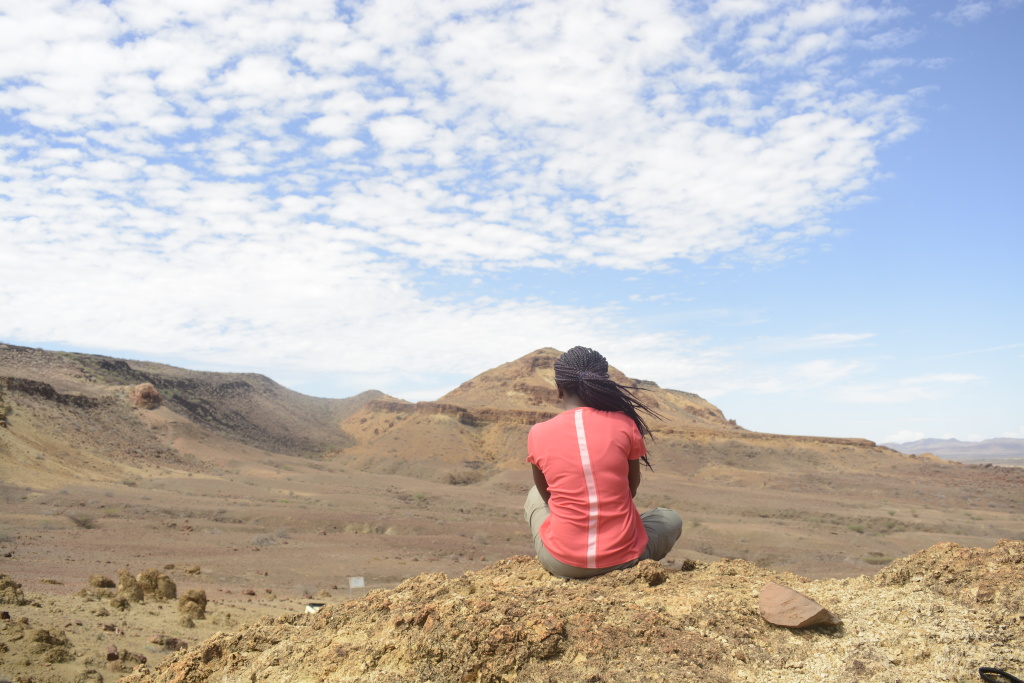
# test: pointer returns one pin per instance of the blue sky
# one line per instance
(806, 212)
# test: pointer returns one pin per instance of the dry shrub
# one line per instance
(10, 591)
(148, 579)
(81, 521)
(146, 396)
(100, 581)
(166, 589)
(128, 587)
(51, 647)
(157, 585)
(262, 540)
(193, 604)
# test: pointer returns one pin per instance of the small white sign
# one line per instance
(355, 582)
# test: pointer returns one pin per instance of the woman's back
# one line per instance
(584, 454)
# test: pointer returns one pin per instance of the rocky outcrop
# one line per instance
(45, 391)
(475, 417)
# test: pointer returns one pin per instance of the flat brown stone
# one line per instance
(786, 607)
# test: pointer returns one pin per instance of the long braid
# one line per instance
(584, 372)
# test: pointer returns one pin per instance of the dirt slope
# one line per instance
(935, 616)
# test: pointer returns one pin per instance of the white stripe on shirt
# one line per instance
(588, 476)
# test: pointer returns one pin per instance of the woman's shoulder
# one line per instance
(608, 415)
(554, 422)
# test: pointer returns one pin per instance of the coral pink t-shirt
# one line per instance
(584, 454)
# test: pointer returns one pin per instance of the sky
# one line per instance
(807, 212)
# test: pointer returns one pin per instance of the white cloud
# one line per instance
(942, 378)
(401, 132)
(814, 342)
(967, 11)
(541, 108)
(920, 388)
(261, 182)
(826, 371)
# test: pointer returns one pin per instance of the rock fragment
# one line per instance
(169, 643)
(786, 607)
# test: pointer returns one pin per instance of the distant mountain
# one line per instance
(86, 410)
(990, 450)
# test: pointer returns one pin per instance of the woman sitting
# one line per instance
(586, 471)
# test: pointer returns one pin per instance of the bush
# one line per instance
(128, 587)
(82, 521)
(157, 585)
(263, 540)
(193, 604)
(100, 581)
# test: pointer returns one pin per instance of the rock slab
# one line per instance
(786, 607)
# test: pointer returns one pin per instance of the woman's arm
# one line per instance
(541, 483)
(634, 477)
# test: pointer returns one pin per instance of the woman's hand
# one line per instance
(634, 477)
(541, 483)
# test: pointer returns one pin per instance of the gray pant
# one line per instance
(664, 527)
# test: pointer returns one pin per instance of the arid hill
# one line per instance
(248, 408)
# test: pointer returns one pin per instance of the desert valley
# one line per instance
(264, 500)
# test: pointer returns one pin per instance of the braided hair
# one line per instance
(584, 373)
